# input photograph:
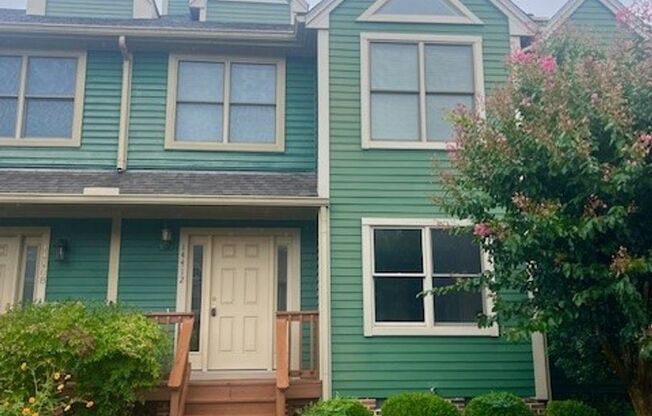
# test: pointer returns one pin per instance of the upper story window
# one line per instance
(226, 104)
(411, 83)
(41, 99)
(404, 258)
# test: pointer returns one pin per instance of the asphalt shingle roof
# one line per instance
(152, 182)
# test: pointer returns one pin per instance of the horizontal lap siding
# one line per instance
(148, 272)
(596, 18)
(82, 275)
(101, 122)
(90, 8)
(230, 11)
(148, 112)
(400, 184)
(178, 8)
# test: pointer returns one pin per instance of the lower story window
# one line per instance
(404, 261)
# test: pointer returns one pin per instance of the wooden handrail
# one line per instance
(180, 373)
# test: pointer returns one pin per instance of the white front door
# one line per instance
(9, 249)
(23, 265)
(241, 313)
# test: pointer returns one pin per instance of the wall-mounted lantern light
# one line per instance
(166, 236)
(60, 249)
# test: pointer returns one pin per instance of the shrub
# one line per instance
(570, 408)
(109, 353)
(418, 404)
(337, 407)
(497, 404)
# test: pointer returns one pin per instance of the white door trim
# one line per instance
(280, 236)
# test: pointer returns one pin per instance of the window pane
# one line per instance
(10, 75)
(49, 118)
(438, 109)
(200, 81)
(7, 117)
(398, 251)
(51, 77)
(394, 67)
(398, 300)
(449, 68)
(455, 254)
(252, 124)
(419, 7)
(395, 117)
(456, 307)
(29, 277)
(199, 122)
(197, 275)
(282, 276)
(253, 84)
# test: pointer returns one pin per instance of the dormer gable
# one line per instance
(419, 11)
(117, 9)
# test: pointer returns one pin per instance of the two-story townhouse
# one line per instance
(242, 159)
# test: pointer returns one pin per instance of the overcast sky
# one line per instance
(537, 7)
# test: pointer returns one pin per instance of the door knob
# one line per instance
(213, 312)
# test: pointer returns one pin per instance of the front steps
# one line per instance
(231, 398)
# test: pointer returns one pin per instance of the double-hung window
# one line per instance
(226, 104)
(411, 83)
(403, 261)
(41, 99)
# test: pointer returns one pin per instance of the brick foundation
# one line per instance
(538, 407)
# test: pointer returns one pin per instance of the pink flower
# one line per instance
(548, 64)
(594, 98)
(521, 57)
(482, 230)
(646, 139)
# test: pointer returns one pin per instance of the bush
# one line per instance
(497, 404)
(570, 408)
(418, 404)
(338, 407)
(86, 359)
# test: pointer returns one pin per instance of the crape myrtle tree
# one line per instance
(557, 178)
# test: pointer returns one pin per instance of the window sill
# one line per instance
(397, 145)
(53, 142)
(222, 147)
(418, 330)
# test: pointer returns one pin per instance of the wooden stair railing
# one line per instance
(284, 353)
(180, 373)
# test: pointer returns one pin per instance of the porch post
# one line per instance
(114, 259)
(324, 302)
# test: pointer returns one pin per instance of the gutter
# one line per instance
(125, 105)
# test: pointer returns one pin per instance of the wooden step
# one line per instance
(231, 409)
(231, 398)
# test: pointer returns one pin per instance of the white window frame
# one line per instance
(429, 327)
(366, 39)
(170, 130)
(467, 17)
(78, 107)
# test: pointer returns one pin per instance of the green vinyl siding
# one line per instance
(235, 11)
(178, 8)
(83, 273)
(400, 184)
(101, 121)
(90, 8)
(148, 272)
(148, 113)
(595, 17)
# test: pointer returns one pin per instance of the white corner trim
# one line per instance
(36, 7)
(114, 260)
(372, 15)
(366, 38)
(429, 327)
(125, 110)
(145, 9)
(323, 104)
(541, 367)
(324, 296)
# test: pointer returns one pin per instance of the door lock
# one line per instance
(213, 312)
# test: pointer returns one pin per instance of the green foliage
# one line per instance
(337, 407)
(418, 404)
(109, 353)
(558, 180)
(570, 408)
(497, 404)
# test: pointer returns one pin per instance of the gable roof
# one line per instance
(571, 6)
(519, 22)
(432, 11)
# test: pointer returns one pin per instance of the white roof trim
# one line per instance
(571, 7)
(466, 16)
(519, 22)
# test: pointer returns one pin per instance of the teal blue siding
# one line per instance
(178, 8)
(148, 271)
(84, 272)
(90, 8)
(595, 17)
(400, 184)
(100, 126)
(148, 113)
(228, 11)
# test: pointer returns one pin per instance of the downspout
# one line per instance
(125, 105)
